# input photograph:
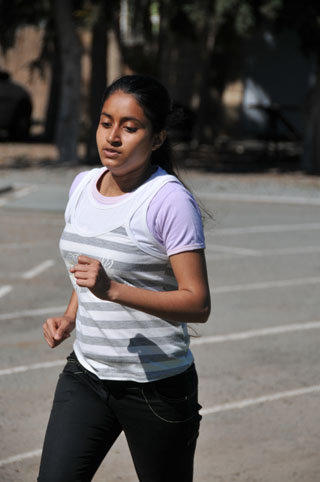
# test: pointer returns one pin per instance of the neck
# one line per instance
(113, 184)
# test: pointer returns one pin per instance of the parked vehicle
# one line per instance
(15, 108)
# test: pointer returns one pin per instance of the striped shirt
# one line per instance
(113, 341)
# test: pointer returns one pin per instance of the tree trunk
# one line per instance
(107, 20)
(54, 94)
(67, 131)
(98, 80)
(163, 39)
(210, 33)
(311, 156)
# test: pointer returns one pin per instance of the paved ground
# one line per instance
(257, 356)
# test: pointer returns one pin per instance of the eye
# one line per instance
(106, 125)
(131, 129)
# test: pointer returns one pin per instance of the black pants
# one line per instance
(160, 421)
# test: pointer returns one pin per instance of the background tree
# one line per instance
(104, 16)
(304, 17)
(69, 46)
(153, 35)
(62, 49)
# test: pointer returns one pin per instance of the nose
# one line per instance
(113, 136)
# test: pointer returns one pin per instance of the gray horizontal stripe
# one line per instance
(121, 324)
(100, 306)
(100, 243)
(120, 265)
(134, 345)
(110, 306)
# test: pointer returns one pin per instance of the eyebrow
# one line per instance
(124, 119)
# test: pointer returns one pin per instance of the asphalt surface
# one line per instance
(257, 356)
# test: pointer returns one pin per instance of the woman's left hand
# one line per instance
(90, 273)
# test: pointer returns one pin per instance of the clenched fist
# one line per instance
(58, 329)
(90, 273)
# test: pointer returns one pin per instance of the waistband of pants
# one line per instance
(126, 383)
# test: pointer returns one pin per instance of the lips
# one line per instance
(110, 152)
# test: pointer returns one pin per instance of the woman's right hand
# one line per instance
(58, 329)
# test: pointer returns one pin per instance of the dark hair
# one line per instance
(154, 99)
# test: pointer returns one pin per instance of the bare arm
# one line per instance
(189, 303)
(57, 329)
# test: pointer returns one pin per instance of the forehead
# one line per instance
(121, 104)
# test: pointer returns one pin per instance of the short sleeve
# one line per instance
(76, 181)
(174, 219)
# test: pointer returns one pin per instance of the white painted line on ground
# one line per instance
(205, 411)
(247, 402)
(36, 312)
(244, 335)
(217, 290)
(276, 228)
(33, 366)
(20, 457)
(236, 252)
(18, 194)
(259, 198)
(29, 220)
(30, 244)
(25, 191)
(195, 341)
(266, 285)
(4, 290)
(220, 257)
(38, 269)
(233, 250)
(12, 275)
(288, 251)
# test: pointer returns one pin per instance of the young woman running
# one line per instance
(134, 248)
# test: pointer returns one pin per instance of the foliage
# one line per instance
(155, 27)
(304, 17)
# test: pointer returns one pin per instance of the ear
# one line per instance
(159, 139)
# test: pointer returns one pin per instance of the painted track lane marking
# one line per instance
(247, 402)
(205, 411)
(20, 193)
(212, 252)
(233, 250)
(217, 290)
(265, 285)
(20, 457)
(36, 312)
(30, 244)
(245, 335)
(275, 330)
(255, 198)
(4, 290)
(29, 220)
(32, 273)
(24, 191)
(33, 366)
(274, 228)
